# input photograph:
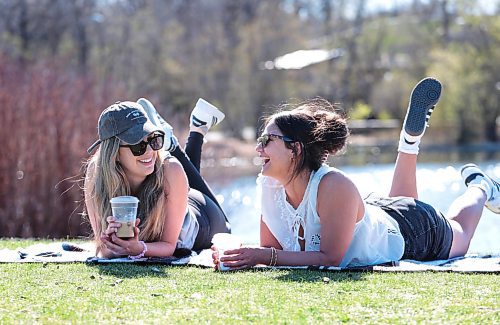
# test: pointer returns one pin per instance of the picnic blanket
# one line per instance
(58, 252)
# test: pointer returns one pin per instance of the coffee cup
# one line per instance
(223, 242)
(124, 210)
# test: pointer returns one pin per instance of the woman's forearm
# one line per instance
(154, 249)
(287, 258)
(160, 249)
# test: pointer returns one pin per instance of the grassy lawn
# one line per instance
(79, 293)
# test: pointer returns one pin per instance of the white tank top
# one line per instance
(376, 237)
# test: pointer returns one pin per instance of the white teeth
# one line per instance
(146, 160)
(261, 160)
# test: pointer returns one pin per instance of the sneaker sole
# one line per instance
(424, 96)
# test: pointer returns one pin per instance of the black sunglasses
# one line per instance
(264, 139)
(155, 142)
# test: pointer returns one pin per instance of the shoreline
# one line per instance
(224, 160)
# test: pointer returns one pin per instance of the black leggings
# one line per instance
(201, 200)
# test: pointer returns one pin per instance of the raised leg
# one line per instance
(423, 99)
(465, 212)
(464, 215)
(194, 177)
(193, 147)
(203, 117)
(404, 180)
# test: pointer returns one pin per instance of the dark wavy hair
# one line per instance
(317, 125)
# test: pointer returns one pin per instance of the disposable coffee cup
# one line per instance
(125, 211)
(224, 242)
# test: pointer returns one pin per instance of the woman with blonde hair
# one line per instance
(138, 155)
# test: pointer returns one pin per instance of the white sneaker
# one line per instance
(170, 142)
(474, 176)
(205, 114)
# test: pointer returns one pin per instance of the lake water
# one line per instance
(438, 184)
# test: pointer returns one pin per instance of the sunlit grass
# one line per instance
(75, 292)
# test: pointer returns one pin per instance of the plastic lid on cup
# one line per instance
(124, 200)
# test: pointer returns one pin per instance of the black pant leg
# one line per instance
(194, 177)
(193, 148)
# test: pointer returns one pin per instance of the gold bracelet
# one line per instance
(274, 257)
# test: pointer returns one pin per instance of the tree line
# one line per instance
(62, 62)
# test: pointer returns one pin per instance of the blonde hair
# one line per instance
(105, 179)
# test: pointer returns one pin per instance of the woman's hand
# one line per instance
(242, 258)
(112, 226)
(118, 246)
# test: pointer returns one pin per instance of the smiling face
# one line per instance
(136, 168)
(277, 159)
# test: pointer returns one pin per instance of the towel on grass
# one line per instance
(58, 252)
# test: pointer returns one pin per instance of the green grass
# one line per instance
(79, 293)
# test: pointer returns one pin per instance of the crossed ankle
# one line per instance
(482, 188)
(203, 130)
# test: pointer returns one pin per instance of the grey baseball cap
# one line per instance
(125, 120)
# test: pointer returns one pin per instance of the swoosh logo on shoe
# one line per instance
(197, 122)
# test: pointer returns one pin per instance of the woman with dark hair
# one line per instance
(138, 155)
(313, 214)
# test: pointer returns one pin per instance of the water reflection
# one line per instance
(359, 155)
(439, 184)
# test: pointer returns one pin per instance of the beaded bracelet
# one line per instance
(141, 255)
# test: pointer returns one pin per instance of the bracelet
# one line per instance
(274, 257)
(141, 255)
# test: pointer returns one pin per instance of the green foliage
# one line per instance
(175, 51)
(360, 111)
(73, 58)
(470, 74)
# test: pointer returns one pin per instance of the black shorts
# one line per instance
(427, 233)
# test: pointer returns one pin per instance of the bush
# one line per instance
(49, 119)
